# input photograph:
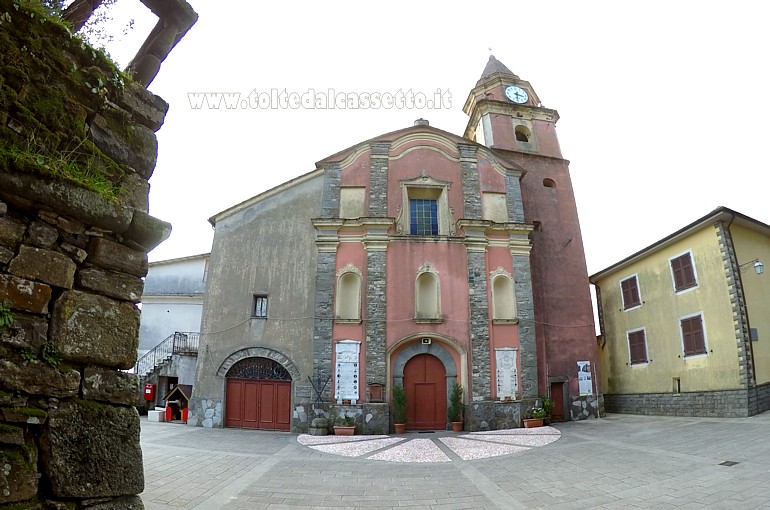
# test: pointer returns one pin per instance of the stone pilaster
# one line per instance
(327, 242)
(470, 176)
(522, 278)
(476, 244)
(513, 196)
(378, 180)
(376, 244)
(330, 201)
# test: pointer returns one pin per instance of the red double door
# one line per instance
(257, 404)
(425, 385)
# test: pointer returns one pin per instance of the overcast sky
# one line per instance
(663, 105)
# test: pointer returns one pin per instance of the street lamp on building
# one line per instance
(759, 267)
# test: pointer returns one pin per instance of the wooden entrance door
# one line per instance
(425, 384)
(255, 404)
(557, 395)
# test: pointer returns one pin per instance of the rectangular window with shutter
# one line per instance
(630, 291)
(693, 335)
(683, 272)
(637, 346)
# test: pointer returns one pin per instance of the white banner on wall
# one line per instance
(507, 375)
(585, 384)
(346, 373)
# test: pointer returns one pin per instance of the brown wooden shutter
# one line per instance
(638, 347)
(692, 334)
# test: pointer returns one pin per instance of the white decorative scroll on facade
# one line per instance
(507, 374)
(585, 384)
(500, 271)
(427, 267)
(346, 372)
(349, 268)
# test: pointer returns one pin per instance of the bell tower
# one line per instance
(506, 115)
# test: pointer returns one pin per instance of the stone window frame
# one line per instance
(259, 306)
(426, 187)
(344, 293)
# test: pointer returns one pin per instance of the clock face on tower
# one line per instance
(516, 94)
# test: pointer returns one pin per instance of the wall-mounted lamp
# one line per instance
(759, 267)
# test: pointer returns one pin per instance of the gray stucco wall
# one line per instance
(269, 249)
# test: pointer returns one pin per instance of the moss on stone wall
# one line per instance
(53, 85)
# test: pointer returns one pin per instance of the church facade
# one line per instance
(418, 258)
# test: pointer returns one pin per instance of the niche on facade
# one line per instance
(348, 296)
(427, 295)
(503, 297)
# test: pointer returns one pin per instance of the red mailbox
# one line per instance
(149, 392)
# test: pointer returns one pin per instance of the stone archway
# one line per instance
(433, 361)
(258, 389)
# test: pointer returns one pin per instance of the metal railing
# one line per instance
(178, 343)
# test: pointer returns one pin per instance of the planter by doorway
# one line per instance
(342, 430)
(530, 423)
(399, 428)
(457, 426)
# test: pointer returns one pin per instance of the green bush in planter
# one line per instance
(456, 406)
(399, 404)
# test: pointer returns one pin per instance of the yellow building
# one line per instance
(685, 322)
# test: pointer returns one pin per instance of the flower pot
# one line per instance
(400, 428)
(530, 423)
(457, 426)
(341, 430)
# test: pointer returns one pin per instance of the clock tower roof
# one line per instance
(494, 66)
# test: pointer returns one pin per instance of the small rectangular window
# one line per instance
(260, 307)
(684, 272)
(637, 346)
(693, 336)
(630, 289)
(423, 217)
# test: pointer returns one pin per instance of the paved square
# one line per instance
(622, 461)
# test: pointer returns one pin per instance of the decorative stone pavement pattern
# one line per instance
(620, 462)
(476, 445)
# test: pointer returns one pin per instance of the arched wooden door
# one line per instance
(425, 384)
(258, 395)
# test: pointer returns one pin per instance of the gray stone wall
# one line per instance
(759, 399)
(376, 307)
(479, 310)
(513, 196)
(470, 181)
(324, 318)
(522, 279)
(713, 404)
(586, 406)
(74, 237)
(378, 180)
(489, 415)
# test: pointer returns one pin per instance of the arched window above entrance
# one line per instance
(258, 368)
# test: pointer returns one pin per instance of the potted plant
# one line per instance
(347, 426)
(456, 408)
(399, 409)
(547, 407)
(534, 417)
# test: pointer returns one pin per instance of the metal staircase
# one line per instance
(178, 343)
